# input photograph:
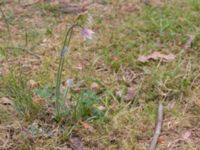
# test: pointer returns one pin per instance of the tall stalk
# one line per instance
(60, 68)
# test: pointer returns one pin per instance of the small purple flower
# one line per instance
(87, 33)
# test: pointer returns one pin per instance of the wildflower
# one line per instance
(87, 33)
(70, 82)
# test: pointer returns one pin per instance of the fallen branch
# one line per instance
(158, 128)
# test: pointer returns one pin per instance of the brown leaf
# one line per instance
(54, 3)
(32, 84)
(130, 7)
(161, 140)
(72, 8)
(87, 126)
(198, 103)
(6, 101)
(76, 143)
(143, 58)
(156, 56)
(79, 67)
(172, 124)
(130, 94)
(26, 3)
(37, 100)
(186, 135)
(94, 86)
(188, 44)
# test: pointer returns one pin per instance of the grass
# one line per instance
(15, 87)
(99, 117)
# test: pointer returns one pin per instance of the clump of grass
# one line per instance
(16, 88)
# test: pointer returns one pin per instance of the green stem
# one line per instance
(58, 84)
(61, 64)
(69, 33)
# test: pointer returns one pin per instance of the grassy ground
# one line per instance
(106, 71)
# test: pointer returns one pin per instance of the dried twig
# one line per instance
(158, 128)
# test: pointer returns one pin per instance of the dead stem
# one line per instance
(158, 128)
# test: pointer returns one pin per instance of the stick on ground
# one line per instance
(158, 128)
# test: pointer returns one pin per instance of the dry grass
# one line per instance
(124, 31)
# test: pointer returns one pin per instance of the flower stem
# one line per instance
(60, 68)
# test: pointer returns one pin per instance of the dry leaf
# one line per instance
(6, 101)
(32, 84)
(161, 140)
(26, 3)
(128, 75)
(87, 126)
(198, 103)
(76, 143)
(94, 86)
(54, 3)
(79, 67)
(119, 93)
(72, 8)
(156, 56)
(143, 58)
(188, 44)
(186, 135)
(130, 94)
(172, 125)
(101, 108)
(37, 100)
(130, 7)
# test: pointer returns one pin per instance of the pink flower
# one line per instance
(87, 33)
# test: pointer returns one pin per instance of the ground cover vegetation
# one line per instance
(123, 59)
